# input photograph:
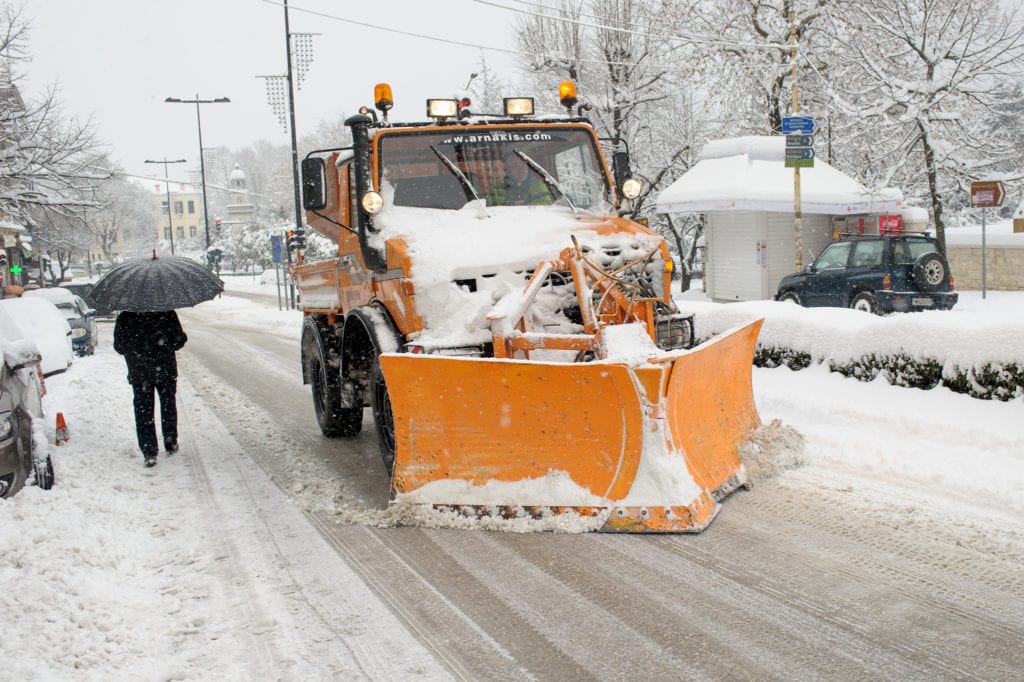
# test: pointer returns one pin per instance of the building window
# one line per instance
(163, 207)
(179, 207)
(167, 232)
(191, 206)
(181, 231)
(191, 230)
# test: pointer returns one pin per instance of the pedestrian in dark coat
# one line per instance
(148, 342)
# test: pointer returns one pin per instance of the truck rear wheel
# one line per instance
(383, 417)
(334, 420)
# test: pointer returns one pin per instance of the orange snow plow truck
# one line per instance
(512, 332)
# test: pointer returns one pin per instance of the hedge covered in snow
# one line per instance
(977, 352)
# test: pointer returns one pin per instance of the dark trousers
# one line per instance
(145, 428)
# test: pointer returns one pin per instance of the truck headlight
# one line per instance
(631, 188)
(77, 332)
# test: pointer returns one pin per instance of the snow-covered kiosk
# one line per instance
(745, 192)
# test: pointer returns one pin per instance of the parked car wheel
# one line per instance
(930, 271)
(865, 301)
(790, 297)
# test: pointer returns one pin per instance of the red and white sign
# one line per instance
(987, 194)
(890, 224)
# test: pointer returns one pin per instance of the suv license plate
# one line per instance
(923, 301)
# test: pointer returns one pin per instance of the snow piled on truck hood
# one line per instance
(497, 246)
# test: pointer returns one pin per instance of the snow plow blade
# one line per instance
(647, 448)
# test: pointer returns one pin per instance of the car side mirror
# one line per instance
(26, 360)
(91, 312)
(620, 168)
(809, 269)
(314, 180)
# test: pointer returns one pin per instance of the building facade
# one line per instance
(181, 211)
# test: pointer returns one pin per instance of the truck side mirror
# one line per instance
(620, 168)
(314, 180)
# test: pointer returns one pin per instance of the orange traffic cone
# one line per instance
(63, 436)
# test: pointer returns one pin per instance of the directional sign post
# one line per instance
(797, 124)
(800, 146)
(986, 194)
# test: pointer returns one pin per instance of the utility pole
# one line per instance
(167, 186)
(280, 88)
(299, 232)
(797, 214)
(275, 97)
(202, 165)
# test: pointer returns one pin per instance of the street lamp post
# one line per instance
(167, 185)
(202, 164)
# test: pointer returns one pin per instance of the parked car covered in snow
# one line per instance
(24, 451)
(876, 274)
(84, 289)
(80, 316)
(38, 320)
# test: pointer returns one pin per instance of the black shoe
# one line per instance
(171, 446)
(150, 461)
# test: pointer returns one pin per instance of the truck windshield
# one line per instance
(414, 165)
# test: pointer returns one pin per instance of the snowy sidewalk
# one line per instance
(200, 568)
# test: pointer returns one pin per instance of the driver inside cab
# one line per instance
(520, 186)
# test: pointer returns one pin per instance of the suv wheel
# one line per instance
(865, 301)
(930, 271)
(790, 297)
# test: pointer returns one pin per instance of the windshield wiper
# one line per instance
(450, 165)
(548, 178)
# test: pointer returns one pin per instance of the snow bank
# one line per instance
(968, 339)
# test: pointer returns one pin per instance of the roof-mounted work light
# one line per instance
(518, 106)
(442, 108)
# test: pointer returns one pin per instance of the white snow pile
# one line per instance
(771, 449)
(497, 249)
(966, 338)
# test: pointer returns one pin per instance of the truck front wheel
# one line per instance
(383, 417)
(334, 420)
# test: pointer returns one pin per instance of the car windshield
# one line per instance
(69, 311)
(835, 256)
(421, 166)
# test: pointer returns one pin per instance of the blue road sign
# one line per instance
(275, 248)
(798, 124)
(799, 140)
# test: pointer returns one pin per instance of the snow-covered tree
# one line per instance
(627, 70)
(921, 85)
(48, 162)
(746, 48)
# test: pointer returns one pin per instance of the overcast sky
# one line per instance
(118, 60)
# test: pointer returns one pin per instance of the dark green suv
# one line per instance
(877, 274)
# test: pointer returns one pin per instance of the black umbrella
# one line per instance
(149, 285)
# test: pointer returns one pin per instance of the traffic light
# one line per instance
(296, 239)
(3, 259)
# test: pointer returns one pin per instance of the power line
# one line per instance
(448, 41)
(696, 39)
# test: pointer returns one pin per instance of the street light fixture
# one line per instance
(167, 185)
(202, 164)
